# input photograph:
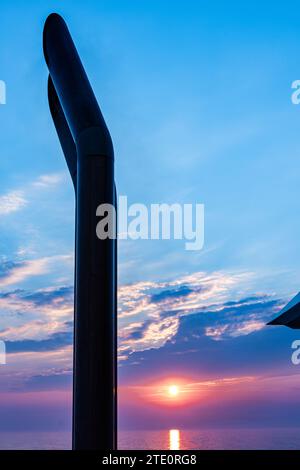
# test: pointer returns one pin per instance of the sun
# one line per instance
(173, 390)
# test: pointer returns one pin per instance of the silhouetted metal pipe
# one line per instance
(63, 131)
(88, 150)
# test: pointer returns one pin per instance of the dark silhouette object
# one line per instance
(289, 315)
(88, 150)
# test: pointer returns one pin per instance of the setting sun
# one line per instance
(173, 390)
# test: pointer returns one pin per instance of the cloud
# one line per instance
(217, 342)
(49, 180)
(150, 335)
(22, 365)
(205, 322)
(45, 296)
(13, 201)
(178, 292)
(240, 318)
(22, 270)
(12, 273)
(55, 341)
(42, 315)
(150, 312)
(205, 330)
(18, 199)
(248, 327)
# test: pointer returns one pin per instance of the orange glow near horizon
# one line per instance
(169, 392)
(176, 392)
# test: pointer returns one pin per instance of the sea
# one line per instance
(168, 439)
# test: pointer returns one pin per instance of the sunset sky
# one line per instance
(197, 96)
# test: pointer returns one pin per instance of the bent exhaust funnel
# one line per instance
(88, 150)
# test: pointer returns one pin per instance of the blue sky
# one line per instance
(198, 103)
(197, 96)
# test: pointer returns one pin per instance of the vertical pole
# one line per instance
(95, 307)
(88, 151)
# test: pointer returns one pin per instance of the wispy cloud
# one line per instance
(19, 198)
(13, 201)
(21, 271)
(14, 273)
(49, 180)
(40, 320)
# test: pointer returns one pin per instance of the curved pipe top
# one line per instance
(72, 86)
(63, 131)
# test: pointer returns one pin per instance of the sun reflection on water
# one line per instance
(174, 439)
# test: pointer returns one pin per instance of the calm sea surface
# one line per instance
(267, 438)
